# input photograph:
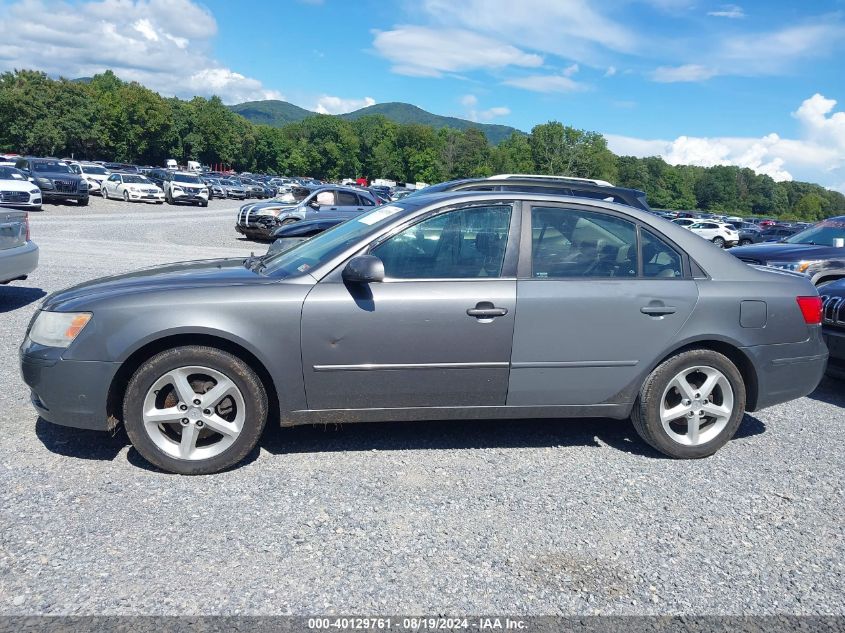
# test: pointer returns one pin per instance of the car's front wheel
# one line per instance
(104, 193)
(125, 196)
(691, 404)
(194, 410)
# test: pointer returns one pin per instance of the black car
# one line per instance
(552, 185)
(55, 179)
(833, 296)
(748, 233)
(777, 233)
(817, 252)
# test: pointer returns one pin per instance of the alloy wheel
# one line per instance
(193, 413)
(696, 406)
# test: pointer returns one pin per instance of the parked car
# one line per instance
(255, 189)
(233, 189)
(93, 173)
(748, 233)
(215, 188)
(18, 253)
(55, 179)
(776, 233)
(721, 234)
(408, 312)
(258, 221)
(132, 188)
(554, 185)
(833, 301)
(285, 235)
(685, 222)
(17, 190)
(184, 187)
(817, 252)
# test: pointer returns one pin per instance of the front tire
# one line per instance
(194, 410)
(82, 202)
(690, 405)
(105, 193)
(125, 196)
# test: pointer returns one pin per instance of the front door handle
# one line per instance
(486, 310)
(658, 310)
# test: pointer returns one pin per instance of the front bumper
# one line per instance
(258, 231)
(69, 392)
(18, 262)
(52, 194)
(139, 196)
(834, 337)
(788, 371)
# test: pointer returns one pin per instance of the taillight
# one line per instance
(26, 224)
(811, 309)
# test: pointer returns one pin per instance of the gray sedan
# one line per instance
(446, 306)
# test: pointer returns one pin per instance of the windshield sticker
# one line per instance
(380, 214)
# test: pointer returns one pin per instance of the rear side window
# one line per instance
(660, 259)
(347, 199)
(566, 243)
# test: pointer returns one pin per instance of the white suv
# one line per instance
(182, 186)
(719, 233)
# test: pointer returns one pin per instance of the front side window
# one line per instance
(567, 243)
(366, 202)
(462, 244)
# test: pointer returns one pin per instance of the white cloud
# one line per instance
(687, 72)
(818, 156)
(562, 82)
(425, 52)
(610, 72)
(470, 101)
(163, 44)
(732, 11)
(328, 104)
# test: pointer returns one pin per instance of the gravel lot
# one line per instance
(529, 517)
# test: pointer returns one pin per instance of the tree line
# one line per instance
(108, 119)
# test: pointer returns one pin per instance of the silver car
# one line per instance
(475, 305)
(18, 254)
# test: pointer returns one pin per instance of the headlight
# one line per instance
(35, 191)
(805, 266)
(58, 329)
(46, 183)
(83, 184)
(274, 212)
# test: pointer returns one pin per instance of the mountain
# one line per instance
(278, 113)
(271, 112)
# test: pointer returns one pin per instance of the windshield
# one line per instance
(94, 169)
(186, 178)
(822, 234)
(230, 183)
(10, 173)
(53, 166)
(323, 247)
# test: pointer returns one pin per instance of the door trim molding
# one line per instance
(394, 366)
(574, 363)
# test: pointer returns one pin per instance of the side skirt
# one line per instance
(340, 416)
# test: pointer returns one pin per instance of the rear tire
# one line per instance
(719, 241)
(745, 242)
(661, 413)
(152, 410)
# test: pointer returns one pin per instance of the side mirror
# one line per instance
(363, 269)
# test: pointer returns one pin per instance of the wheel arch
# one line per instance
(117, 387)
(734, 353)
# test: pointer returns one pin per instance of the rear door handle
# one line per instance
(486, 310)
(658, 310)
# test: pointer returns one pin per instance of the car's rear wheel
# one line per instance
(690, 405)
(194, 410)
(719, 241)
(744, 242)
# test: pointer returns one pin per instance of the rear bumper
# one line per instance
(787, 371)
(18, 262)
(70, 393)
(835, 340)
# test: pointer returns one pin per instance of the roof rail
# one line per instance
(602, 183)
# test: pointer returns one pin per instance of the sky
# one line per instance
(758, 84)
